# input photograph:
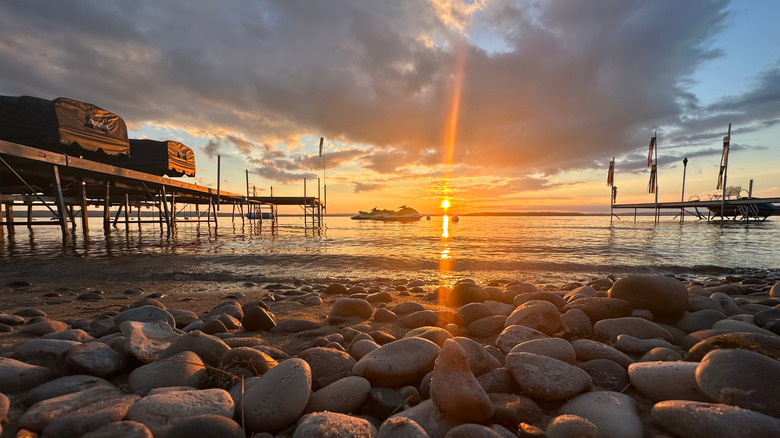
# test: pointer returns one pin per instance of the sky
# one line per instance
(494, 105)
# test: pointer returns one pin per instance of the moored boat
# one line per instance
(404, 213)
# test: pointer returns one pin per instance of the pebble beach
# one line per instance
(113, 352)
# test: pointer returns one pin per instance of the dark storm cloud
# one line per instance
(571, 84)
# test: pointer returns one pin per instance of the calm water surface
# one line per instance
(481, 247)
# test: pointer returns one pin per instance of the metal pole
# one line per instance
(305, 207)
(60, 202)
(725, 173)
(219, 162)
(657, 211)
(682, 198)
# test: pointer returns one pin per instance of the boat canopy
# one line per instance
(62, 125)
(166, 157)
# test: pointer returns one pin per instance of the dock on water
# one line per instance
(67, 186)
(730, 209)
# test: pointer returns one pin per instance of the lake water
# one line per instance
(477, 247)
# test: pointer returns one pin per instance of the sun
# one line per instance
(445, 204)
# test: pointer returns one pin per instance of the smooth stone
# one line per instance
(11, 319)
(510, 410)
(327, 365)
(740, 327)
(614, 414)
(333, 425)
(699, 320)
(558, 348)
(465, 292)
(775, 290)
(44, 327)
(336, 289)
(660, 294)
(587, 349)
(19, 376)
(399, 363)
(407, 307)
(209, 348)
(576, 324)
(384, 315)
(102, 325)
(362, 348)
(660, 381)
(570, 426)
(598, 308)
(768, 345)
(740, 378)
(145, 340)
(205, 426)
(63, 385)
(401, 427)
(516, 334)
(434, 334)
(213, 327)
(42, 349)
(182, 369)
(661, 354)
(537, 314)
(39, 415)
(551, 297)
(145, 314)
(420, 318)
(487, 326)
(5, 406)
(80, 421)
(497, 380)
(696, 303)
(425, 414)
(245, 358)
(480, 361)
(727, 303)
(93, 358)
(499, 307)
(454, 389)
(633, 326)
(632, 345)
(383, 402)
(231, 307)
(344, 396)
(256, 319)
(768, 320)
(344, 308)
(471, 312)
(693, 419)
(471, 430)
(124, 429)
(312, 301)
(546, 378)
(182, 318)
(606, 374)
(379, 297)
(159, 412)
(71, 334)
(278, 398)
(296, 325)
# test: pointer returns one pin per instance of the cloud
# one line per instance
(566, 84)
(366, 187)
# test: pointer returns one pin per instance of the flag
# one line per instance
(614, 194)
(651, 184)
(321, 139)
(724, 161)
(611, 173)
(650, 153)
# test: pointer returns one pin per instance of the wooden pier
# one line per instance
(67, 186)
(729, 209)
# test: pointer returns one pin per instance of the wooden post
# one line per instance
(305, 206)
(219, 165)
(138, 212)
(84, 214)
(127, 211)
(106, 210)
(173, 209)
(29, 215)
(118, 212)
(1, 215)
(9, 218)
(60, 202)
(164, 202)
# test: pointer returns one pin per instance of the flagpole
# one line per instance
(324, 183)
(725, 163)
(657, 212)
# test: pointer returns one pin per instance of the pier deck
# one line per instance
(736, 208)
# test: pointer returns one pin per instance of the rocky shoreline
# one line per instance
(642, 355)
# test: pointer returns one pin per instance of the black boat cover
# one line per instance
(62, 125)
(161, 157)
